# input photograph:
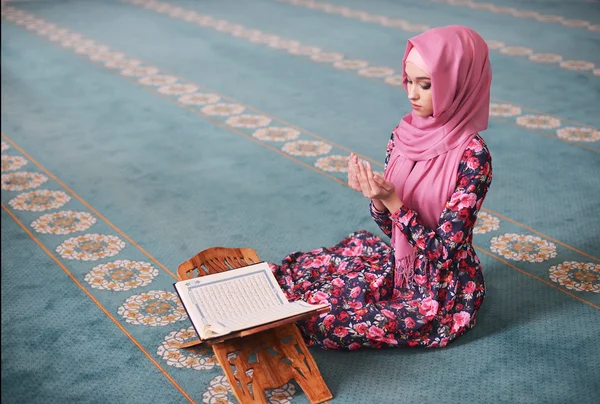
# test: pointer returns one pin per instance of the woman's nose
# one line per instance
(412, 94)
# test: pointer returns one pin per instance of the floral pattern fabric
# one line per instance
(356, 275)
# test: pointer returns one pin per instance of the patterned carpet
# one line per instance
(136, 133)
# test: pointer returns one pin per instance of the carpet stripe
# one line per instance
(384, 21)
(517, 13)
(87, 205)
(100, 306)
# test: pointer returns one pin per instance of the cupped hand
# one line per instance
(372, 186)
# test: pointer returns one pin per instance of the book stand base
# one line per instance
(268, 360)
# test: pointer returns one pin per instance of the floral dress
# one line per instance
(356, 275)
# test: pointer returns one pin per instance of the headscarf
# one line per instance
(424, 162)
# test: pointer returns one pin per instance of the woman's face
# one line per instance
(419, 90)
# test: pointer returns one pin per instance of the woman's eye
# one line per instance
(409, 82)
(425, 86)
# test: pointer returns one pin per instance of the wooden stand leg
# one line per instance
(281, 355)
(306, 372)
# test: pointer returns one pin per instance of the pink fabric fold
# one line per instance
(424, 162)
(415, 58)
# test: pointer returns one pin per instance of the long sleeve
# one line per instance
(383, 219)
(455, 226)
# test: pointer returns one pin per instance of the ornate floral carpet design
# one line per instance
(136, 133)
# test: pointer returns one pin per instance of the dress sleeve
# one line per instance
(383, 219)
(456, 222)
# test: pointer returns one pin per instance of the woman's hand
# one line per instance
(374, 187)
(353, 173)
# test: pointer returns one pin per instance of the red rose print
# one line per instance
(420, 279)
(446, 319)
(464, 181)
(343, 316)
(457, 237)
(361, 328)
(476, 146)
(442, 294)
(469, 287)
(354, 346)
(446, 227)
(329, 344)
(460, 320)
(328, 321)
(460, 255)
(414, 303)
(397, 306)
(337, 282)
(375, 333)
(463, 214)
(473, 163)
(319, 297)
(340, 331)
(391, 326)
(429, 307)
(390, 340)
(341, 269)
(486, 169)
(361, 312)
(355, 305)
(321, 261)
(467, 201)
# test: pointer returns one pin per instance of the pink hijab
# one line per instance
(424, 162)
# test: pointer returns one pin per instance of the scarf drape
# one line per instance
(424, 162)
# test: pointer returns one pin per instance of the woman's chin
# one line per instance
(422, 114)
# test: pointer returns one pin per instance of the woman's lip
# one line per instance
(415, 106)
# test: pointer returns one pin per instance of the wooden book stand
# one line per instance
(279, 351)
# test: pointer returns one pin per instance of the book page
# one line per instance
(236, 293)
(240, 296)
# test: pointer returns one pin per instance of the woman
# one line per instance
(427, 289)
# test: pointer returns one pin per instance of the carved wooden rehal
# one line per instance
(262, 358)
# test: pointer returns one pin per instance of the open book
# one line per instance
(238, 299)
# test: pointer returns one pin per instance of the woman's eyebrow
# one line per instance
(421, 77)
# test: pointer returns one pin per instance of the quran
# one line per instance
(238, 299)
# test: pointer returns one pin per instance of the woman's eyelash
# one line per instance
(423, 86)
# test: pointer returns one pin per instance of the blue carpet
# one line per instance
(125, 151)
